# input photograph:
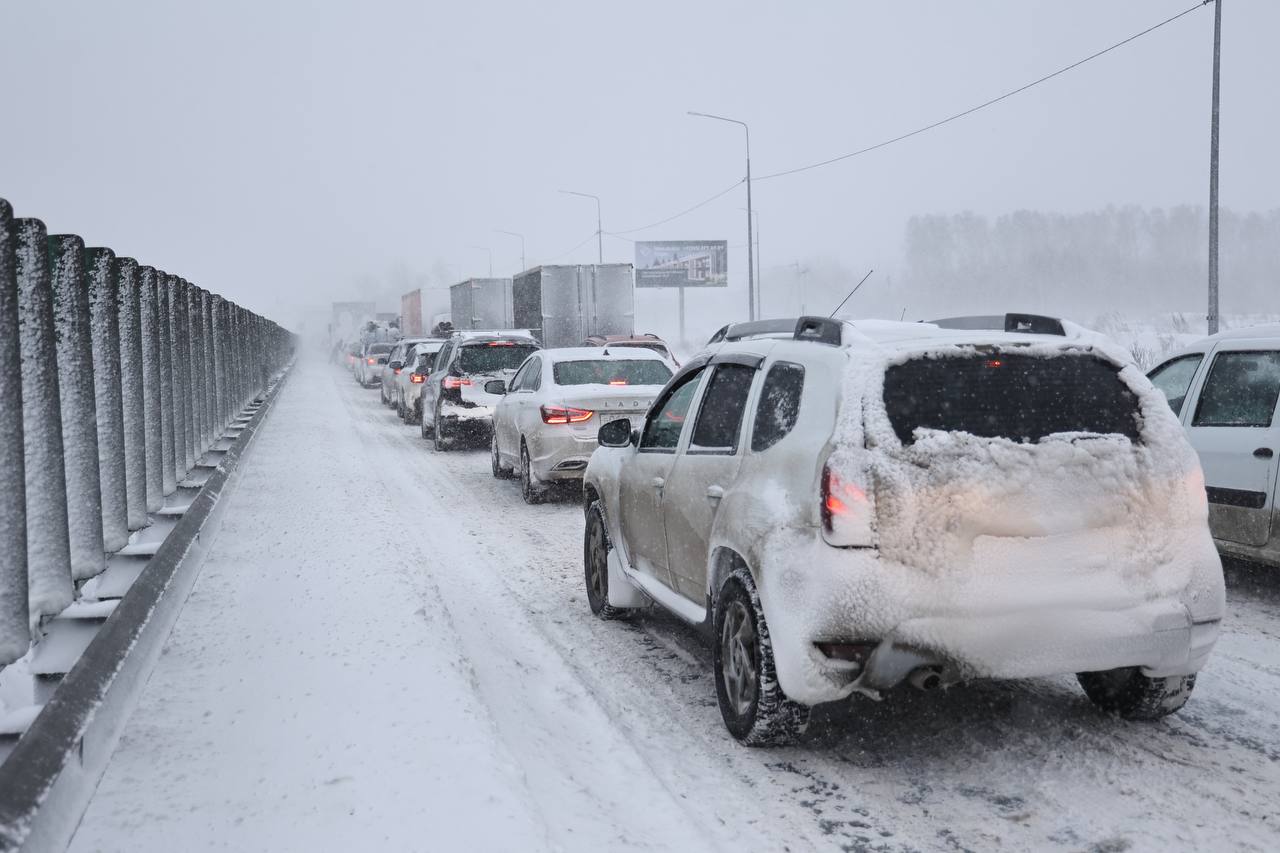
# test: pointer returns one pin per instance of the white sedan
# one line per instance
(544, 427)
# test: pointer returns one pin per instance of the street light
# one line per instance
(760, 288)
(599, 228)
(490, 251)
(523, 267)
(751, 271)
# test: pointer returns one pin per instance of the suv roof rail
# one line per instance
(823, 330)
(1029, 324)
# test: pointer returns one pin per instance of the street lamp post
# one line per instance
(751, 273)
(759, 303)
(490, 252)
(599, 227)
(523, 266)
(1212, 319)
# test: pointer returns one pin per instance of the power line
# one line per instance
(574, 249)
(684, 212)
(985, 104)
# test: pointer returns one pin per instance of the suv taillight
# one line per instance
(417, 378)
(565, 415)
(372, 360)
(846, 511)
(453, 383)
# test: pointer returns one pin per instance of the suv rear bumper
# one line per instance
(923, 622)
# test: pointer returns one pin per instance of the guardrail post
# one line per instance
(219, 316)
(49, 586)
(196, 369)
(151, 394)
(168, 471)
(210, 401)
(78, 404)
(185, 342)
(173, 387)
(105, 319)
(15, 632)
(132, 401)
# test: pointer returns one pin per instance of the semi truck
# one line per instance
(481, 303)
(563, 305)
(424, 309)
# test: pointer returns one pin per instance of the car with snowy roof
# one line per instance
(847, 507)
(546, 422)
(368, 366)
(419, 361)
(645, 340)
(391, 369)
(1225, 391)
(455, 404)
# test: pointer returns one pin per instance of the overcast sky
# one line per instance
(276, 151)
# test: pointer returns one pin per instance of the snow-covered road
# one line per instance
(388, 650)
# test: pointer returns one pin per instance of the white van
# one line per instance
(1224, 389)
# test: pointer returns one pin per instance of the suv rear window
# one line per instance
(1008, 395)
(378, 349)
(493, 356)
(609, 371)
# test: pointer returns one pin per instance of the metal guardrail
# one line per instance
(115, 379)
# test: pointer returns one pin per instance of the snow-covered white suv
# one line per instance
(1226, 391)
(848, 506)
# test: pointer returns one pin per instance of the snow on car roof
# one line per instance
(596, 353)
(1269, 330)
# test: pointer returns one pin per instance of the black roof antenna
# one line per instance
(851, 292)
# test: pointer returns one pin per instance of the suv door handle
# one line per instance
(1264, 453)
(715, 493)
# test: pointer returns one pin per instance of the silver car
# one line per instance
(406, 394)
(546, 423)
(397, 360)
(368, 367)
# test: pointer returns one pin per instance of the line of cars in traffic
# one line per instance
(848, 507)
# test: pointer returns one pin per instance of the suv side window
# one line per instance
(662, 429)
(442, 357)
(719, 421)
(1240, 390)
(1174, 378)
(779, 405)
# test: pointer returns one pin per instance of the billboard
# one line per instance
(682, 263)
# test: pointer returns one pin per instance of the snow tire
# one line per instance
(761, 714)
(495, 462)
(595, 561)
(532, 492)
(1134, 696)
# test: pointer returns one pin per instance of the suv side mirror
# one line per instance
(396, 365)
(615, 434)
(495, 386)
(382, 360)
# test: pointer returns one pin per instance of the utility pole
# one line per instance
(599, 227)
(751, 273)
(1213, 173)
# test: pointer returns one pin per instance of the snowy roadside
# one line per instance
(435, 681)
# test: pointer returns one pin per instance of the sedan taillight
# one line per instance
(417, 378)
(565, 415)
(453, 383)
(372, 360)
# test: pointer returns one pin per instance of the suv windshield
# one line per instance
(378, 349)
(493, 356)
(1019, 397)
(611, 372)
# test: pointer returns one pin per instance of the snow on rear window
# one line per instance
(1009, 395)
(487, 357)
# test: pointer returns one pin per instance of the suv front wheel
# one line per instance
(754, 708)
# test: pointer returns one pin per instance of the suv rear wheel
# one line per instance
(754, 708)
(440, 439)
(1135, 696)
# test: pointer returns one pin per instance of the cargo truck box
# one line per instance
(564, 304)
(481, 303)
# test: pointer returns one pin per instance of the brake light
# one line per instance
(994, 362)
(417, 378)
(502, 343)
(565, 415)
(617, 382)
(372, 360)
(846, 511)
(453, 383)
(397, 371)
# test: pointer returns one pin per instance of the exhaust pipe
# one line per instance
(925, 678)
